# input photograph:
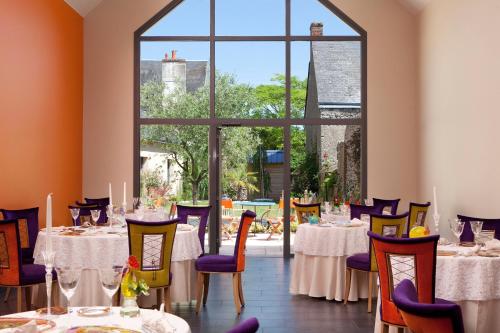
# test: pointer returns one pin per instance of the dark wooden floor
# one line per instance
(266, 283)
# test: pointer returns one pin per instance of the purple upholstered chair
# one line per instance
(86, 216)
(440, 317)
(233, 265)
(28, 229)
(384, 203)
(13, 272)
(183, 212)
(488, 224)
(358, 210)
(98, 201)
(248, 326)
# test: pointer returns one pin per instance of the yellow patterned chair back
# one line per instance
(303, 211)
(387, 226)
(418, 213)
(152, 243)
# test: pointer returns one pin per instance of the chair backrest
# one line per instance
(10, 253)
(358, 210)
(388, 226)
(404, 258)
(226, 203)
(248, 326)
(183, 213)
(98, 201)
(424, 317)
(152, 243)
(28, 228)
(239, 248)
(387, 203)
(418, 213)
(84, 204)
(488, 224)
(86, 216)
(303, 211)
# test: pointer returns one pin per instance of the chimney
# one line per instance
(174, 54)
(316, 29)
(166, 57)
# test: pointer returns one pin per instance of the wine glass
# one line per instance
(457, 228)
(328, 208)
(136, 203)
(477, 227)
(96, 213)
(368, 202)
(75, 213)
(110, 280)
(68, 278)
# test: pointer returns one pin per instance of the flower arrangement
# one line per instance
(131, 286)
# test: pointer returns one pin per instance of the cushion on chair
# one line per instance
(33, 274)
(216, 263)
(360, 261)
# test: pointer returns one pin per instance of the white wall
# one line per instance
(392, 93)
(460, 85)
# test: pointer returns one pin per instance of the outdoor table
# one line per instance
(254, 204)
(94, 250)
(113, 319)
(473, 282)
(319, 264)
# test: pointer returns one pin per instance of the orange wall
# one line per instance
(41, 105)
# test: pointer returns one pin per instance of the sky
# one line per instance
(251, 62)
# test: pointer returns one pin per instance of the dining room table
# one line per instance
(470, 277)
(109, 320)
(320, 254)
(103, 247)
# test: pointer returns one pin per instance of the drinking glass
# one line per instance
(136, 203)
(328, 209)
(110, 281)
(75, 213)
(68, 278)
(457, 228)
(368, 202)
(477, 227)
(96, 213)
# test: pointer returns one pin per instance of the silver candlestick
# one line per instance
(48, 258)
(109, 213)
(436, 217)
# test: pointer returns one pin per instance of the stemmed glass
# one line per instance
(477, 227)
(75, 212)
(328, 208)
(136, 203)
(457, 228)
(110, 280)
(96, 213)
(68, 278)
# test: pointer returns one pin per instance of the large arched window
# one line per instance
(250, 100)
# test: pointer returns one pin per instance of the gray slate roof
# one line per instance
(196, 73)
(337, 67)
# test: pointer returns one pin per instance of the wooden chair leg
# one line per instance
(206, 283)
(240, 289)
(19, 299)
(384, 328)
(236, 293)
(199, 291)
(370, 291)
(348, 273)
(168, 301)
(7, 294)
(159, 297)
(27, 294)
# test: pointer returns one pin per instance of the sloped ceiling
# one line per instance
(83, 7)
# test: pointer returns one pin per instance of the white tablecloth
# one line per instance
(318, 268)
(180, 325)
(474, 283)
(103, 250)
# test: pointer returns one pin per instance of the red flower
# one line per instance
(133, 263)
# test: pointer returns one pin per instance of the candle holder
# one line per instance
(110, 215)
(436, 217)
(48, 258)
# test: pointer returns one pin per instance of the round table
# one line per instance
(474, 283)
(104, 248)
(114, 319)
(254, 204)
(318, 268)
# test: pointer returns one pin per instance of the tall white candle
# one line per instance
(48, 224)
(124, 194)
(110, 194)
(435, 200)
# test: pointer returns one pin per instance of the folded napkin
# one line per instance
(29, 327)
(156, 322)
(493, 244)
